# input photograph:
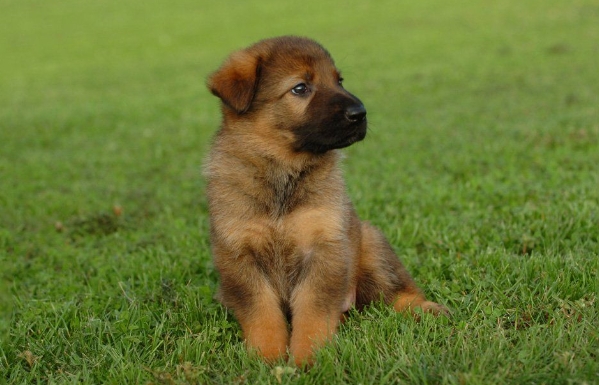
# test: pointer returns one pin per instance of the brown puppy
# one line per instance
(286, 240)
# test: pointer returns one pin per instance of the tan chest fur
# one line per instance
(270, 223)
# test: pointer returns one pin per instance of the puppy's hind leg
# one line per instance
(382, 275)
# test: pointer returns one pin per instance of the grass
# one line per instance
(480, 166)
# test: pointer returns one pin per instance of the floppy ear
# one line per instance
(236, 81)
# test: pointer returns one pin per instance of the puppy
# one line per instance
(292, 255)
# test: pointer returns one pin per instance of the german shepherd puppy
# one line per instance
(293, 257)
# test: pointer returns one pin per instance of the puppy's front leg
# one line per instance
(259, 313)
(316, 308)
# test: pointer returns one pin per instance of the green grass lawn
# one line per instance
(481, 165)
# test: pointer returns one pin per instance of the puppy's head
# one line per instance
(291, 86)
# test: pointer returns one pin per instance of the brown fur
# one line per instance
(291, 252)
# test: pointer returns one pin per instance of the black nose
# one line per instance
(355, 113)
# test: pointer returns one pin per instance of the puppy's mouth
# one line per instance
(357, 133)
(344, 137)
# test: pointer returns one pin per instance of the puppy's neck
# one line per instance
(282, 177)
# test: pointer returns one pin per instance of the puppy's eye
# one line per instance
(341, 82)
(300, 89)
